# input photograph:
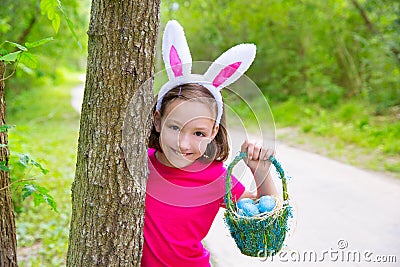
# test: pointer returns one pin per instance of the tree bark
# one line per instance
(8, 241)
(107, 198)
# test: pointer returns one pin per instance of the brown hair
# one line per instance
(218, 149)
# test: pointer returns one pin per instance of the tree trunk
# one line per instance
(8, 241)
(108, 199)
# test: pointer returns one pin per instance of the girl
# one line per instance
(187, 147)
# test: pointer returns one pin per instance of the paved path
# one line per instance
(334, 202)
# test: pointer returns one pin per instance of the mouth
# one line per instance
(181, 154)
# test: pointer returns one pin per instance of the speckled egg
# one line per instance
(250, 209)
(242, 201)
(266, 204)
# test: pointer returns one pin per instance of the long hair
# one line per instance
(218, 149)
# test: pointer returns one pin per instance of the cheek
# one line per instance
(203, 144)
(168, 136)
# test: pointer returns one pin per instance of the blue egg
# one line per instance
(266, 204)
(241, 202)
(250, 209)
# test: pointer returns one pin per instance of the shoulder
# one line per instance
(151, 155)
(151, 151)
(152, 162)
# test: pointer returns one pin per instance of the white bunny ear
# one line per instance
(230, 65)
(175, 51)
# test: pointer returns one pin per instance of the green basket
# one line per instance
(261, 235)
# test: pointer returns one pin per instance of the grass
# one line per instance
(47, 130)
(349, 132)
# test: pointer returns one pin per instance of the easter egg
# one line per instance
(242, 201)
(250, 209)
(266, 204)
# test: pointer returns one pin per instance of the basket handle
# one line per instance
(228, 180)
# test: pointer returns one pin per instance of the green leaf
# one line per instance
(38, 43)
(56, 21)
(24, 160)
(27, 190)
(5, 127)
(3, 166)
(69, 23)
(40, 195)
(49, 7)
(29, 60)
(3, 51)
(38, 165)
(20, 47)
(11, 57)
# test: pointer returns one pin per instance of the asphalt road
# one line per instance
(344, 216)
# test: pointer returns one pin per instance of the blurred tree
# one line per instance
(107, 200)
(317, 51)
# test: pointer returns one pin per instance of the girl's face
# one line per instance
(186, 128)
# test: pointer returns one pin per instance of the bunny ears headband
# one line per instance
(223, 71)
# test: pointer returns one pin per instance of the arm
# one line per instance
(257, 161)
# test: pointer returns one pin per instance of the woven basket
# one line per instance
(261, 235)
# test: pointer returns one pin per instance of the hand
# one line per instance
(257, 157)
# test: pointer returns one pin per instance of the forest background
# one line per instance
(330, 71)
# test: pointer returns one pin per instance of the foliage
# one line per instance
(23, 57)
(22, 166)
(48, 127)
(5, 127)
(52, 9)
(18, 54)
(39, 193)
(331, 69)
(28, 60)
(25, 21)
(346, 132)
(319, 51)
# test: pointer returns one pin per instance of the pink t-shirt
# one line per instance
(180, 208)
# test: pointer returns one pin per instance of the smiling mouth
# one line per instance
(181, 154)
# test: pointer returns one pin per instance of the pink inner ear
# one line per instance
(175, 61)
(225, 73)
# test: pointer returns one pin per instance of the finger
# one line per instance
(257, 152)
(244, 146)
(250, 151)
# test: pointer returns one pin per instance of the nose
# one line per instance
(184, 142)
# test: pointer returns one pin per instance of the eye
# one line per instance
(199, 134)
(174, 128)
